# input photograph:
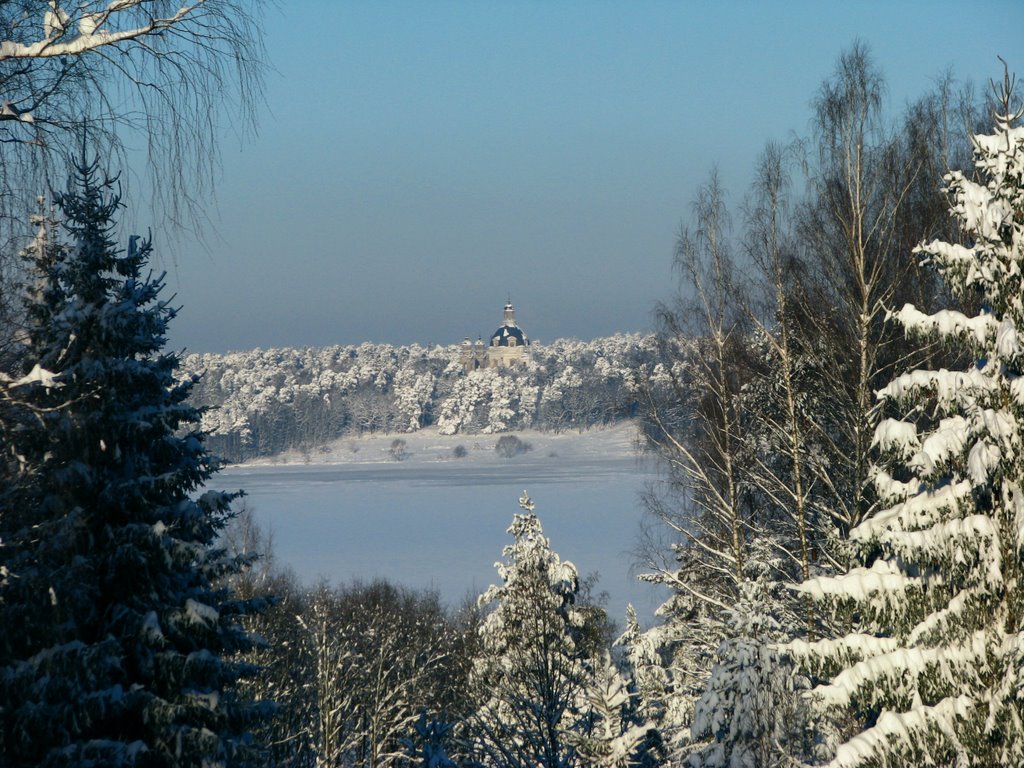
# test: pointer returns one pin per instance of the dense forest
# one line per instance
(263, 402)
(836, 394)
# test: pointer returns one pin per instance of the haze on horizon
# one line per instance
(418, 164)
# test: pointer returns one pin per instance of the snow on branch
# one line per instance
(945, 323)
(907, 730)
(951, 620)
(947, 387)
(945, 443)
(892, 491)
(877, 679)
(897, 437)
(921, 510)
(90, 36)
(1000, 154)
(981, 210)
(958, 541)
(847, 650)
(882, 581)
(37, 375)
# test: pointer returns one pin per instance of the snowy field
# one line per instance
(434, 520)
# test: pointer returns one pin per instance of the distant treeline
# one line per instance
(262, 402)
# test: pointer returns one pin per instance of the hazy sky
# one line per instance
(419, 162)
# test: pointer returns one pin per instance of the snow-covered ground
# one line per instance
(427, 446)
(434, 520)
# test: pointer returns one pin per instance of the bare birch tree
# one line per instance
(865, 176)
(381, 654)
(693, 420)
(697, 427)
(175, 73)
(162, 76)
(784, 467)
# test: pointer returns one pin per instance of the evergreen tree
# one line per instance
(618, 735)
(749, 716)
(123, 629)
(651, 677)
(930, 670)
(427, 747)
(532, 671)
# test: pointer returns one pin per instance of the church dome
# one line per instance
(509, 336)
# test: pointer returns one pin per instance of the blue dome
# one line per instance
(501, 337)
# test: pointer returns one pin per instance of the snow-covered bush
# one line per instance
(509, 446)
(399, 449)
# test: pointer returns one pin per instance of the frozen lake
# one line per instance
(440, 522)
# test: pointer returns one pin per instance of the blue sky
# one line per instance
(419, 162)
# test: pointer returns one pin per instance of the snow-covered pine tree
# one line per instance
(750, 715)
(532, 671)
(123, 632)
(930, 672)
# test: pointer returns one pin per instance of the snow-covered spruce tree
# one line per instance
(119, 657)
(531, 673)
(930, 672)
(427, 747)
(16, 410)
(644, 658)
(618, 736)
